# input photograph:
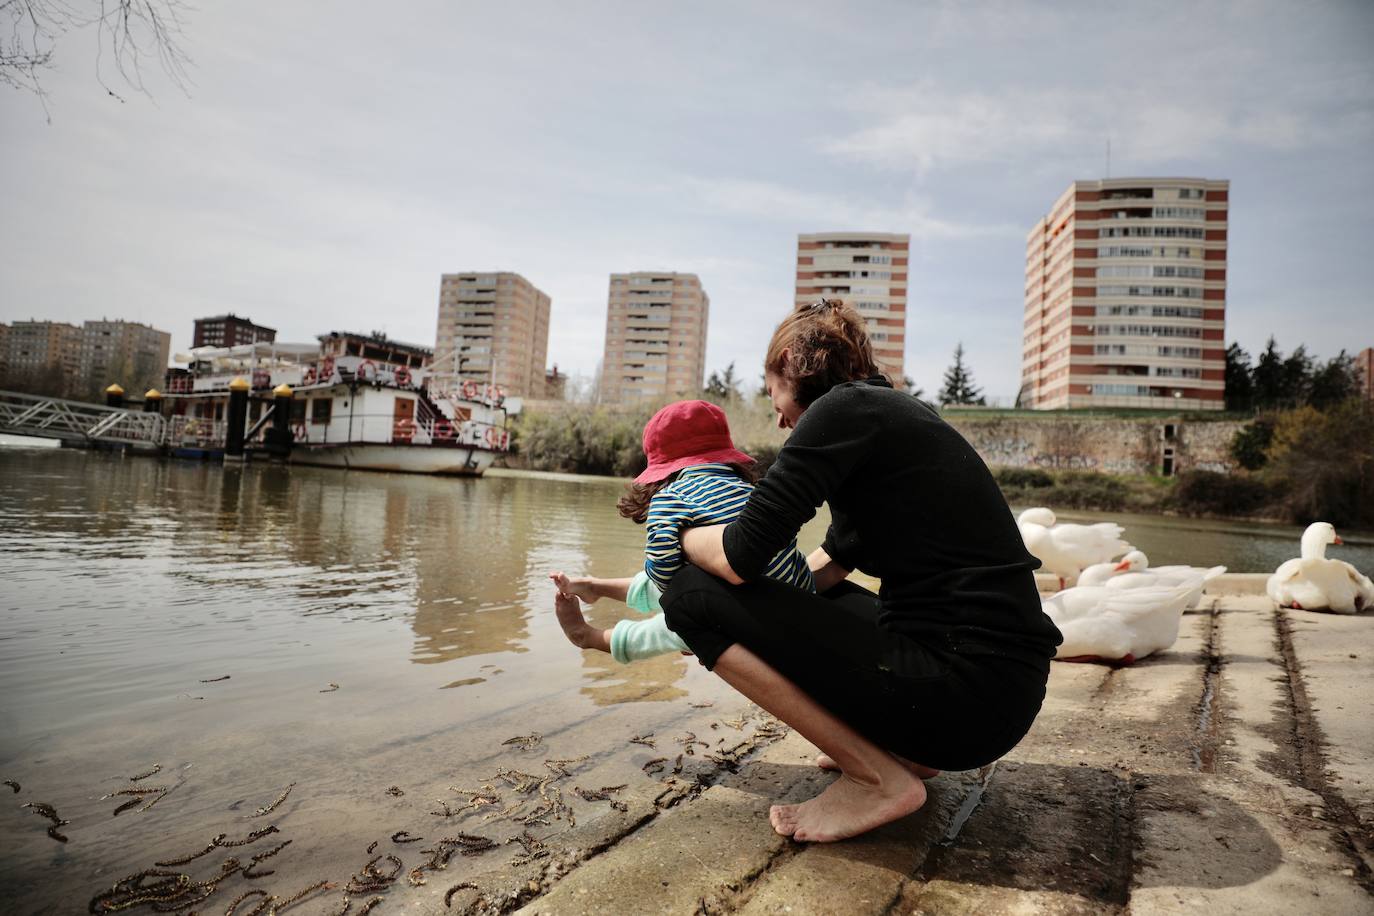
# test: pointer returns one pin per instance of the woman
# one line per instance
(946, 667)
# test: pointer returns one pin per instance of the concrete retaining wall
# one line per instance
(1113, 445)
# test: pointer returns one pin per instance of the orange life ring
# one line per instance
(470, 389)
(309, 378)
(327, 368)
(368, 365)
(404, 429)
(402, 375)
(494, 438)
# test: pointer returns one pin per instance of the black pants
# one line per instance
(935, 706)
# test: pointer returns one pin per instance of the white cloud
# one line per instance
(930, 126)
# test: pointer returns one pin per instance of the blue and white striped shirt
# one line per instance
(706, 494)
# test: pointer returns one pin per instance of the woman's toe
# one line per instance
(783, 818)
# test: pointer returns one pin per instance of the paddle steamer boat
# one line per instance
(356, 401)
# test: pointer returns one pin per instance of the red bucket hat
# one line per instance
(686, 433)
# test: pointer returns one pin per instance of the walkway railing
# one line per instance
(77, 421)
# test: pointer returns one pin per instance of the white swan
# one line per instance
(1314, 583)
(1066, 550)
(1116, 624)
(1134, 571)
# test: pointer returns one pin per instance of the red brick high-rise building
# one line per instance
(1125, 296)
(868, 270)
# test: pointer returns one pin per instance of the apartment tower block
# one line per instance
(655, 337)
(1126, 297)
(229, 331)
(868, 270)
(493, 329)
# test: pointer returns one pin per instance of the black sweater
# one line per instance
(912, 504)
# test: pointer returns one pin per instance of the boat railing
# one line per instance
(426, 428)
(195, 432)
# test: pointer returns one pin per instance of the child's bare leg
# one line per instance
(826, 762)
(579, 632)
(874, 787)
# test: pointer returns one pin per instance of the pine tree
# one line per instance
(1240, 388)
(958, 387)
(1268, 376)
(722, 386)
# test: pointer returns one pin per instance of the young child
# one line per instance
(695, 476)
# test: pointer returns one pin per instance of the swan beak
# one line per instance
(1123, 566)
(1338, 540)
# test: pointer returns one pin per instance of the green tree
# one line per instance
(1240, 387)
(958, 385)
(723, 386)
(1268, 377)
(1250, 445)
(910, 384)
(1297, 377)
(1334, 382)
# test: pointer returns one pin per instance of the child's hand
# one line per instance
(580, 587)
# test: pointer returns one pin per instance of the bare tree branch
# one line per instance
(131, 30)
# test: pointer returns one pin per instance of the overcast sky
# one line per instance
(330, 160)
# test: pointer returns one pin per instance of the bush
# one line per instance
(1324, 463)
(1088, 490)
(1213, 493)
(584, 439)
(1250, 445)
(1022, 478)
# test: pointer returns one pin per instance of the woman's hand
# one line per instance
(705, 547)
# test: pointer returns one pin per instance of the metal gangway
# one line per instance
(78, 422)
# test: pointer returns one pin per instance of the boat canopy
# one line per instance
(254, 352)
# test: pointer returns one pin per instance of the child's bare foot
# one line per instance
(848, 807)
(826, 762)
(579, 632)
(581, 586)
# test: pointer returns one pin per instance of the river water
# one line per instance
(198, 618)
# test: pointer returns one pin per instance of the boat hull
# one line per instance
(459, 461)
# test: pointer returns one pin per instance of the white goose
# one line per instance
(1066, 550)
(1135, 571)
(1116, 624)
(1314, 583)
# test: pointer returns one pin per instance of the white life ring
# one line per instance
(469, 389)
(366, 369)
(402, 375)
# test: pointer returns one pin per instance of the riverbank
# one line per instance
(1229, 774)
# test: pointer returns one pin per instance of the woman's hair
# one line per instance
(634, 504)
(826, 345)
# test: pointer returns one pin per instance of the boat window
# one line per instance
(319, 410)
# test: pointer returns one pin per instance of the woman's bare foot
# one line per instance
(826, 762)
(848, 807)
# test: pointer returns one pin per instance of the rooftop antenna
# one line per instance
(1109, 156)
